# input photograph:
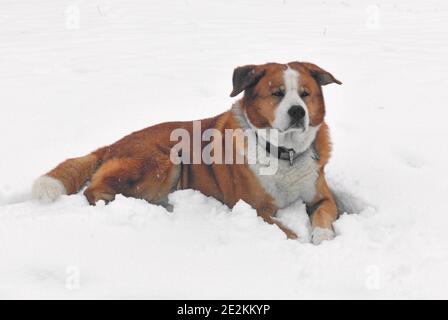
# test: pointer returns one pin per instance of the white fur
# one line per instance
(319, 235)
(47, 189)
(282, 119)
(297, 139)
(289, 183)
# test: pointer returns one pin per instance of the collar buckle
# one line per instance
(291, 156)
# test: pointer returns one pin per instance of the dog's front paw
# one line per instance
(321, 234)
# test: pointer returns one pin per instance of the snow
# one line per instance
(76, 75)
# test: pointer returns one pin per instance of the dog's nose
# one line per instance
(296, 112)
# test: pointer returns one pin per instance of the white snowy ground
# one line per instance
(65, 91)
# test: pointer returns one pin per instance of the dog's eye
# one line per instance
(278, 93)
(304, 94)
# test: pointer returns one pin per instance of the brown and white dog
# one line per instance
(285, 97)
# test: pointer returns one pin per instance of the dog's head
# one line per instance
(287, 97)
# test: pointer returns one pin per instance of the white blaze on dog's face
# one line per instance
(286, 97)
(291, 112)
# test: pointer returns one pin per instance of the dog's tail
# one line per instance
(67, 178)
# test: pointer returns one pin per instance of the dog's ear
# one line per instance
(321, 76)
(245, 77)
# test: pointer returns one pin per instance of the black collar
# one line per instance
(288, 154)
(281, 152)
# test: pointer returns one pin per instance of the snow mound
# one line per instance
(202, 249)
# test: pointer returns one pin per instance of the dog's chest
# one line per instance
(290, 182)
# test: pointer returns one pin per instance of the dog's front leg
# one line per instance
(323, 212)
(267, 213)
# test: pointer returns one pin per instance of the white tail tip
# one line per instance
(47, 189)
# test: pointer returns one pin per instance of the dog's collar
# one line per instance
(282, 153)
(289, 154)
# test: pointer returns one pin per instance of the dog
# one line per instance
(287, 98)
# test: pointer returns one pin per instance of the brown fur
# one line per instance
(74, 173)
(139, 164)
